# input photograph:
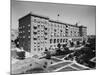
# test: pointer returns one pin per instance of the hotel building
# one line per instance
(37, 33)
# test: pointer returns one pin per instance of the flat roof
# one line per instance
(54, 21)
(35, 15)
(57, 22)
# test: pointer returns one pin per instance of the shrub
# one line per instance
(21, 55)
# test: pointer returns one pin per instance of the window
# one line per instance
(34, 46)
(38, 49)
(42, 30)
(35, 27)
(38, 25)
(39, 21)
(38, 36)
(51, 35)
(23, 36)
(66, 26)
(41, 48)
(38, 43)
(42, 26)
(57, 40)
(45, 38)
(34, 38)
(28, 30)
(35, 33)
(23, 26)
(45, 33)
(45, 42)
(50, 40)
(66, 40)
(54, 45)
(38, 46)
(29, 25)
(45, 22)
(34, 49)
(45, 28)
(55, 34)
(38, 31)
(58, 25)
(55, 30)
(34, 20)
(63, 35)
(71, 31)
(61, 40)
(28, 36)
(54, 40)
(60, 30)
(50, 46)
(34, 42)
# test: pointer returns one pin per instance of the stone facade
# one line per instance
(37, 33)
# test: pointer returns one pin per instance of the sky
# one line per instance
(83, 14)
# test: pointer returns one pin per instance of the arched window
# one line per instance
(54, 40)
(50, 40)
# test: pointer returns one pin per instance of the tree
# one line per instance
(21, 55)
(78, 43)
(16, 42)
(92, 43)
(84, 42)
(59, 45)
(48, 55)
(58, 52)
(84, 55)
(65, 48)
(72, 44)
